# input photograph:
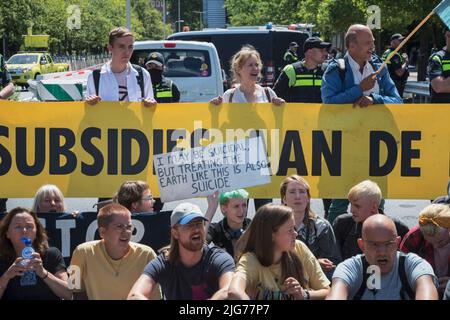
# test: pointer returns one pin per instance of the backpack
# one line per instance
(139, 77)
(405, 291)
(266, 91)
(341, 67)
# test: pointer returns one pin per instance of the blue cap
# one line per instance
(185, 213)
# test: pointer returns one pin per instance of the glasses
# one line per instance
(124, 227)
(148, 198)
(378, 245)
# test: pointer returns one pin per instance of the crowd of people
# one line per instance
(286, 252)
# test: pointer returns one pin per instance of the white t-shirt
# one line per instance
(358, 76)
(239, 96)
(121, 78)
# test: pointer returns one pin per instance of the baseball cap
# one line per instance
(156, 58)
(315, 42)
(293, 44)
(184, 213)
(397, 36)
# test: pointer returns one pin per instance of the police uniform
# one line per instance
(439, 65)
(164, 90)
(393, 65)
(291, 56)
(298, 84)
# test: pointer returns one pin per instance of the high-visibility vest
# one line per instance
(304, 84)
(163, 91)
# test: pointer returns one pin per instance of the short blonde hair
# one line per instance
(434, 218)
(45, 191)
(365, 189)
(239, 59)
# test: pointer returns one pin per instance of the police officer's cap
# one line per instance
(293, 44)
(397, 36)
(156, 58)
(315, 42)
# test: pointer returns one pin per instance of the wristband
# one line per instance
(44, 277)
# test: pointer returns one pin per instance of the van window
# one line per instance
(179, 62)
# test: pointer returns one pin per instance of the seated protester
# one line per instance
(273, 264)
(45, 276)
(430, 240)
(135, 196)
(314, 231)
(365, 199)
(109, 267)
(48, 198)
(402, 277)
(233, 205)
(188, 269)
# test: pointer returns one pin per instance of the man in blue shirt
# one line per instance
(351, 81)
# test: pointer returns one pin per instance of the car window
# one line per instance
(179, 62)
(23, 59)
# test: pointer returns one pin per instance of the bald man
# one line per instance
(349, 80)
(383, 267)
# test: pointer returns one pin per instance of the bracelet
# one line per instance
(306, 295)
(44, 277)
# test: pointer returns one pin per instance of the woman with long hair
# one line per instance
(273, 264)
(45, 271)
(314, 231)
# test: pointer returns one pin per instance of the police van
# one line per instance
(271, 43)
(193, 66)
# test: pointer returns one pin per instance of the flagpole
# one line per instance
(403, 43)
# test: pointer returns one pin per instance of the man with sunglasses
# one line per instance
(382, 272)
(188, 269)
(106, 269)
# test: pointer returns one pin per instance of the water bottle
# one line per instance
(29, 277)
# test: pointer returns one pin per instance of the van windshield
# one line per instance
(178, 62)
(23, 59)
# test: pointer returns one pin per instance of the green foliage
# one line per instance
(98, 17)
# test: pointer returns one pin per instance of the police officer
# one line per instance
(164, 90)
(398, 65)
(6, 90)
(439, 73)
(302, 80)
(291, 54)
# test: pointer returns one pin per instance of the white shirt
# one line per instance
(358, 76)
(239, 96)
(109, 88)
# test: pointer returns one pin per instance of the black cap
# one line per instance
(315, 42)
(156, 58)
(397, 36)
(293, 44)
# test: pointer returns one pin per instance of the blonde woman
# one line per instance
(430, 240)
(246, 69)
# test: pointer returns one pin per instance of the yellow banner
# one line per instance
(88, 151)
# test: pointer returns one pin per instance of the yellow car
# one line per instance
(26, 66)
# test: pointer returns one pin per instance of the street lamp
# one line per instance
(201, 18)
(128, 11)
(179, 17)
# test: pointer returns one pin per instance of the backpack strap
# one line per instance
(341, 68)
(233, 90)
(140, 79)
(405, 292)
(363, 286)
(96, 75)
(266, 90)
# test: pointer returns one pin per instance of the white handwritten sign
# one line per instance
(201, 171)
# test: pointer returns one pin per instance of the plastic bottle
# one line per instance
(29, 277)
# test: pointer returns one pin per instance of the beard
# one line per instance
(192, 246)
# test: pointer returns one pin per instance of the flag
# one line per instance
(443, 11)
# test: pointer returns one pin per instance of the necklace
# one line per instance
(111, 262)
